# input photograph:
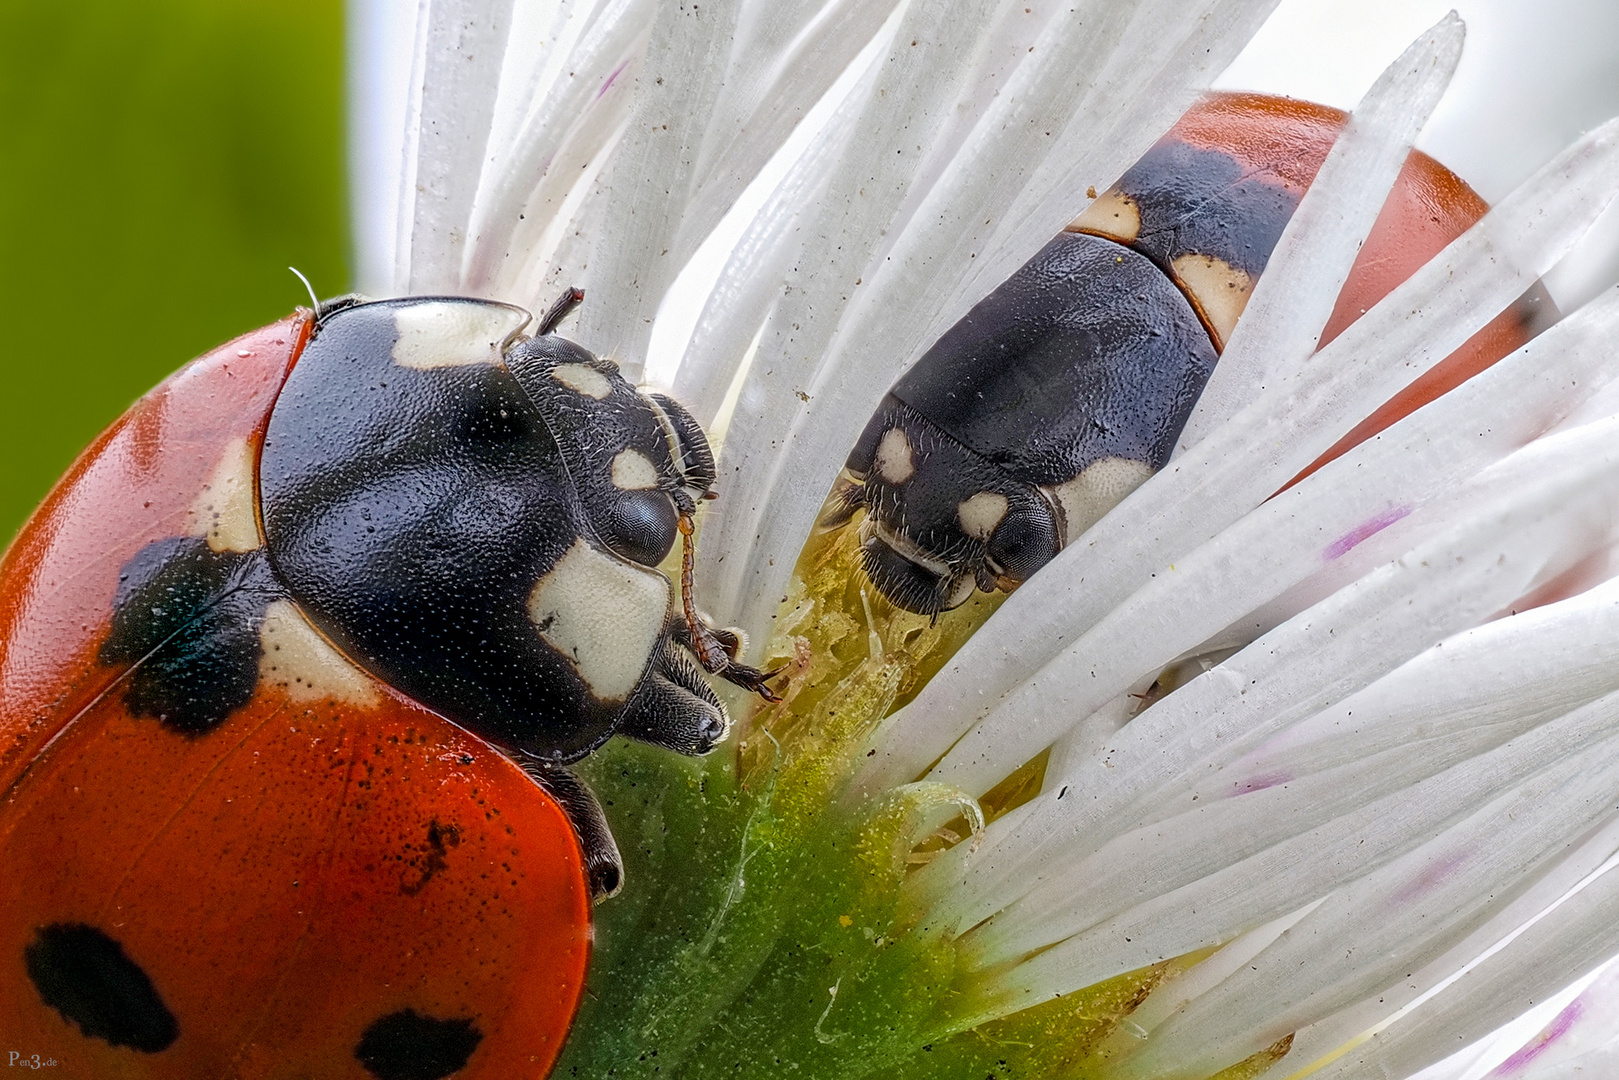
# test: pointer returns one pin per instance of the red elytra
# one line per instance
(306, 870)
(1428, 207)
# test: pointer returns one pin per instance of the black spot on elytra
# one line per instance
(440, 838)
(409, 1046)
(84, 975)
(188, 618)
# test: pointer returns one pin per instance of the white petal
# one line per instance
(1512, 534)
(1283, 322)
(873, 290)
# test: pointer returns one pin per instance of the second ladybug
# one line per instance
(1064, 389)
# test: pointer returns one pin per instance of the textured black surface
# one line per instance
(84, 975)
(412, 511)
(1196, 201)
(409, 1046)
(1087, 352)
(188, 618)
(591, 432)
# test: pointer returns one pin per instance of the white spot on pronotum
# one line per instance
(980, 514)
(1114, 215)
(1219, 290)
(603, 614)
(893, 459)
(582, 379)
(296, 658)
(632, 471)
(449, 333)
(222, 512)
(1084, 499)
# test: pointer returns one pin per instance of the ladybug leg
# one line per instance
(604, 867)
(675, 708)
(848, 496)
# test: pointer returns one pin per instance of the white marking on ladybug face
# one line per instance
(296, 658)
(582, 379)
(903, 546)
(1114, 215)
(449, 333)
(960, 592)
(893, 458)
(1084, 499)
(604, 615)
(1219, 290)
(222, 512)
(980, 514)
(632, 471)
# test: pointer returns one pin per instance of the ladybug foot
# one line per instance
(751, 679)
(718, 650)
(675, 708)
(604, 867)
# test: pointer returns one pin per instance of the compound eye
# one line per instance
(641, 526)
(1024, 541)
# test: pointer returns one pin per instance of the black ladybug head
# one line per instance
(474, 517)
(941, 520)
(639, 461)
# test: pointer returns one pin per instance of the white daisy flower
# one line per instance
(1369, 816)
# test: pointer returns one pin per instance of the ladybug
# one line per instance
(292, 663)
(1064, 389)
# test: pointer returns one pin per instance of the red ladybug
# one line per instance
(1066, 387)
(291, 662)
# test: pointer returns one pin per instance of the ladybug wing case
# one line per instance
(229, 851)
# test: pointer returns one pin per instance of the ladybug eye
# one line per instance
(641, 526)
(1024, 541)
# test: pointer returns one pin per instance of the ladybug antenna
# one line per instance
(716, 650)
(314, 304)
(569, 300)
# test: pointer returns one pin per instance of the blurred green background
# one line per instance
(163, 164)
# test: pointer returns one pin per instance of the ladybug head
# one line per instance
(639, 461)
(476, 517)
(941, 520)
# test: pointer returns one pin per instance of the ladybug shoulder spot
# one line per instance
(305, 666)
(222, 512)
